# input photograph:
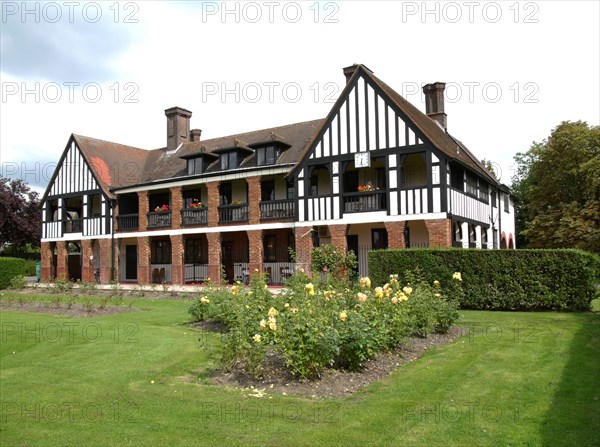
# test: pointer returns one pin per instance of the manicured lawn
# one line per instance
(516, 379)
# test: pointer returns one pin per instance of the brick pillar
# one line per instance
(142, 210)
(254, 196)
(46, 258)
(214, 256)
(87, 266)
(255, 246)
(177, 259)
(62, 260)
(213, 208)
(106, 261)
(176, 206)
(440, 232)
(338, 237)
(395, 232)
(304, 247)
(144, 260)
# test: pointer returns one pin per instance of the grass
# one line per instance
(140, 379)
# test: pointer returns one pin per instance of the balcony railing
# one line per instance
(194, 216)
(128, 222)
(457, 244)
(73, 226)
(159, 219)
(472, 244)
(233, 213)
(277, 209)
(357, 202)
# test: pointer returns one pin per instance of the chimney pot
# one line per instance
(178, 127)
(349, 71)
(195, 135)
(434, 103)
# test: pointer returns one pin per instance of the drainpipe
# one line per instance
(112, 239)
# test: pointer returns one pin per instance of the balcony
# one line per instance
(73, 226)
(233, 213)
(194, 216)
(159, 219)
(277, 209)
(127, 222)
(457, 244)
(357, 202)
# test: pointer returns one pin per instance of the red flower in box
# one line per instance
(195, 203)
(161, 209)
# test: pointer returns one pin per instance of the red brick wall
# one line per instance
(87, 266)
(255, 247)
(46, 258)
(144, 260)
(142, 210)
(440, 232)
(338, 236)
(254, 196)
(214, 256)
(395, 232)
(304, 247)
(176, 205)
(62, 260)
(105, 261)
(177, 259)
(213, 205)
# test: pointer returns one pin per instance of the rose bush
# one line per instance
(315, 323)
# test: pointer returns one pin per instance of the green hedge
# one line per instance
(9, 268)
(502, 279)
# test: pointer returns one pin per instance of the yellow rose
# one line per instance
(256, 338)
(407, 290)
(436, 283)
(437, 295)
(457, 276)
(263, 323)
(365, 282)
(378, 292)
(273, 312)
(343, 315)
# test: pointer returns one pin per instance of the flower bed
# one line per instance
(319, 323)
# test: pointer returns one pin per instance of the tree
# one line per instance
(557, 187)
(20, 217)
(490, 166)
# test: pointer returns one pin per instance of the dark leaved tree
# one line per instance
(20, 217)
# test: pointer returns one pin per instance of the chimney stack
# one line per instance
(178, 127)
(349, 71)
(195, 135)
(434, 103)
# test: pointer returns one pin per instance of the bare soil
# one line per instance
(333, 382)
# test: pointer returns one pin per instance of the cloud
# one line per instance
(58, 44)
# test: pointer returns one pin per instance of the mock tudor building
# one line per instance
(375, 173)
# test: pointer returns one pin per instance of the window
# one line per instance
(351, 181)
(269, 246)
(195, 166)
(267, 189)
(292, 246)
(494, 199)
(506, 203)
(94, 205)
(267, 155)
(314, 185)
(161, 252)
(456, 178)
(194, 251)
(225, 193)
(291, 190)
(484, 192)
(457, 235)
(379, 239)
(229, 160)
(471, 188)
(190, 196)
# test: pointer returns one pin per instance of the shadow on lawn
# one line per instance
(574, 415)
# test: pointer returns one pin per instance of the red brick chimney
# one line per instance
(434, 102)
(178, 127)
(195, 135)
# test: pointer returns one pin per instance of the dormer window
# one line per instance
(267, 155)
(195, 166)
(229, 160)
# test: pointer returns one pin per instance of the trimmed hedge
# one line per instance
(9, 268)
(502, 279)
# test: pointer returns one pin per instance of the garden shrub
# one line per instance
(322, 321)
(531, 280)
(10, 268)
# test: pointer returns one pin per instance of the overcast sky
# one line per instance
(514, 70)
